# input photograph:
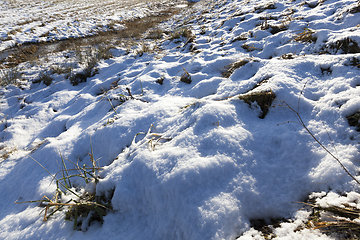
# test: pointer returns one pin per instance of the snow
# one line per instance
(187, 161)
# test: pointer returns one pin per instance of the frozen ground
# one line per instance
(194, 160)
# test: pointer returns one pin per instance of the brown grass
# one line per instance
(134, 29)
(263, 98)
(305, 36)
(229, 69)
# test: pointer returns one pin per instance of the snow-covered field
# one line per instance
(179, 128)
(23, 21)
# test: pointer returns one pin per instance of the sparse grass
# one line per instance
(156, 33)
(266, 228)
(134, 28)
(56, 69)
(144, 48)
(249, 48)
(260, 9)
(263, 98)
(203, 30)
(44, 77)
(185, 77)
(84, 205)
(347, 45)
(6, 151)
(353, 62)
(278, 28)
(287, 56)
(354, 119)
(239, 38)
(184, 32)
(314, 5)
(112, 25)
(15, 31)
(229, 69)
(305, 36)
(160, 80)
(103, 51)
(9, 76)
(90, 58)
(339, 221)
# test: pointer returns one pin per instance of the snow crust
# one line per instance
(217, 165)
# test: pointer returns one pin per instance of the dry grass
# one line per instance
(84, 206)
(229, 69)
(185, 77)
(45, 78)
(154, 34)
(305, 36)
(133, 29)
(354, 119)
(9, 76)
(262, 8)
(15, 31)
(340, 222)
(287, 56)
(249, 48)
(184, 32)
(347, 45)
(263, 98)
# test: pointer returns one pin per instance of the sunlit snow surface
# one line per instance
(219, 165)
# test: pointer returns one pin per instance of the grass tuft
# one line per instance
(44, 77)
(354, 120)
(185, 77)
(84, 205)
(229, 69)
(341, 222)
(347, 45)
(9, 76)
(260, 9)
(184, 32)
(263, 98)
(306, 36)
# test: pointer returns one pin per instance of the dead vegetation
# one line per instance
(249, 48)
(83, 206)
(267, 227)
(353, 62)
(314, 4)
(229, 69)
(355, 9)
(339, 222)
(9, 76)
(260, 9)
(185, 77)
(347, 45)
(184, 32)
(263, 99)
(44, 77)
(239, 38)
(274, 28)
(306, 36)
(287, 56)
(354, 120)
(134, 28)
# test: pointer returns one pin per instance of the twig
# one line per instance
(301, 122)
